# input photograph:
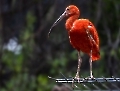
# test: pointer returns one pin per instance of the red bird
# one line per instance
(82, 35)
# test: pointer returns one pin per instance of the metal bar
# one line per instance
(115, 86)
(105, 86)
(90, 80)
(86, 80)
(86, 86)
(104, 82)
(96, 86)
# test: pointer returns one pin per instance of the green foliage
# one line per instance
(43, 83)
(21, 82)
(39, 56)
(59, 63)
(17, 63)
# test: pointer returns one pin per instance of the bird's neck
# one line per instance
(70, 21)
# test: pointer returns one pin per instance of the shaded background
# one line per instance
(28, 57)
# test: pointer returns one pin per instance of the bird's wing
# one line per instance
(92, 34)
(93, 37)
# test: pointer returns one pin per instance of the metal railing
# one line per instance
(91, 84)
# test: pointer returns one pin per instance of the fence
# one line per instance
(91, 84)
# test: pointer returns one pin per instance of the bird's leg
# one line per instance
(90, 60)
(78, 69)
(79, 65)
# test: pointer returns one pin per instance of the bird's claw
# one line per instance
(76, 78)
(90, 77)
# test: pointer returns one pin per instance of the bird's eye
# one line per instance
(90, 24)
(68, 9)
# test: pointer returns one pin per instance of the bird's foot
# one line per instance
(90, 77)
(75, 78)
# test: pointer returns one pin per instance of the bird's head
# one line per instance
(69, 11)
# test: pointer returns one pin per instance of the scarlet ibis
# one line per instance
(82, 35)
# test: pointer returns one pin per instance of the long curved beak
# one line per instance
(56, 22)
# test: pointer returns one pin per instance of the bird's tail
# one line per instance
(95, 56)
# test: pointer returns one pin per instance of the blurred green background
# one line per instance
(28, 56)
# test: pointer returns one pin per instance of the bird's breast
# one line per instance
(79, 40)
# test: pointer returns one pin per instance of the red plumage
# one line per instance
(79, 38)
(82, 35)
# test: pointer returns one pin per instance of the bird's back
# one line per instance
(84, 37)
